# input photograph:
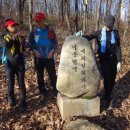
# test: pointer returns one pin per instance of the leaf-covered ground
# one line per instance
(47, 117)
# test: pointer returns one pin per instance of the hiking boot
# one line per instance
(111, 105)
(11, 102)
(42, 99)
(54, 93)
(101, 95)
(22, 107)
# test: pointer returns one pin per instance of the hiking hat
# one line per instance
(39, 16)
(109, 21)
(10, 23)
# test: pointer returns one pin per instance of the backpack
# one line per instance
(49, 34)
(3, 55)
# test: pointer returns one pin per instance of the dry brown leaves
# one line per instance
(47, 117)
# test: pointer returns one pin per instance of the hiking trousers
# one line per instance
(49, 65)
(109, 71)
(19, 70)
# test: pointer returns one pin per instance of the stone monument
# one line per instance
(78, 79)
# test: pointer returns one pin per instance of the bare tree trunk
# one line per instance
(127, 23)
(1, 17)
(0, 7)
(45, 7)
(76, 16)
(91, 8)
(98, 14)
(129, 16)
(30, 13)
(21, 8)
(59, 10)
(62, 9)
(118, 14)
(84, 16)
(94, 43)
(67, 18)
(108, 7)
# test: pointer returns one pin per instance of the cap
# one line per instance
(109, 21)
(39, 16)
(10, 23)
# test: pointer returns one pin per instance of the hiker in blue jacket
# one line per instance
(43, 44)
(13, 60)
(109, 53)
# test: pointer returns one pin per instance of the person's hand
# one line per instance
(50, 54)
(118, 66)
(17, 34)
(79, 33)
(37, 54)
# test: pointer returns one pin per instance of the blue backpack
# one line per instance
(48, 38)
(3, 55)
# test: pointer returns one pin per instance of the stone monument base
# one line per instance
(78, 107)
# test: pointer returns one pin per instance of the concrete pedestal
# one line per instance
(78, 107)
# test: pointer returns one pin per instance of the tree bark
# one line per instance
(30, 13)
(0, 7)
(62, 10)
(76, 16)
(21, 8)
(127, 23)
(84, 16)
(67, 18)
(46, 7)
(98, 14)
(118, 14)
(108, 7)
(129, 16)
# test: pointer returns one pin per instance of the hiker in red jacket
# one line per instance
(43, 44)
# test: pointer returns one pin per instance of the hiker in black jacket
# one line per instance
(13, 60)
(109, 52)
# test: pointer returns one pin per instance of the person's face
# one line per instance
(40, 23)
(108, 28)
(12, 28)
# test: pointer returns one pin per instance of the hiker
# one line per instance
(13, 60)
(109, 52)
(43, 44)
(5, 32)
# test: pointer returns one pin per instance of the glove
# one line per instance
(26, 66)
(118, 66)
(79, 34)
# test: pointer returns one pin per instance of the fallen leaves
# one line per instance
(47, 117)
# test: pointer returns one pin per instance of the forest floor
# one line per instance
(47, 117)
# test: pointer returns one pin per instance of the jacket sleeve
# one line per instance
(118, 48)
(32, 41)
(92, 36)
(6, 41)
(55, 42)
(2, 40)
(24, 44)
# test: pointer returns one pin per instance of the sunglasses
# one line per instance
(38, 21)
